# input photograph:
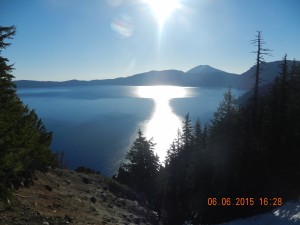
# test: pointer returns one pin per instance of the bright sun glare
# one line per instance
(161, 93)
(163, 123)
(162, 9)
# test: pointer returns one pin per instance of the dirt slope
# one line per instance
(67, 197)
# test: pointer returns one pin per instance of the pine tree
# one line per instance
(171, 153)
(283, 76)
(204, 136)
(7, 87)
(198, 134)
(225, 117)
(187, 133)
(293, 69)
(140, 170)
(24, 140)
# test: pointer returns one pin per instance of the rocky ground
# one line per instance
(67, 197)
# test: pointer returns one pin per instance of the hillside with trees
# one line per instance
(24, 140)
(245, 161)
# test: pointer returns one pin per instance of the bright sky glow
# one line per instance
(163, 9)
(104, 39)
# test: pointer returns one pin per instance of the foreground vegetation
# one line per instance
(24, 140)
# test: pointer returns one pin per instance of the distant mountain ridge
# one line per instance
(200, 76)
(204, 69)
(205, 75)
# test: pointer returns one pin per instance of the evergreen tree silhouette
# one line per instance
(24, 140)
(140, 170)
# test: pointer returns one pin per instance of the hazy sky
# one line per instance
(97, 39)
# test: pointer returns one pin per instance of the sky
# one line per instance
(59, 40)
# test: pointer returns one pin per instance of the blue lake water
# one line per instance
(96, 125)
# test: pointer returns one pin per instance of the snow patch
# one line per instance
(288, 214)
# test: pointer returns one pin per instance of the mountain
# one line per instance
(268, 73)
(204, 69)
(205, 75)
(165, 77)
(200, 76)
(44, 84)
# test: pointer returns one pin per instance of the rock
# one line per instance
(107, 220)
(46, 223)
(126, 218)
(86, 180)
(56, 205)
(67, 181)
(136, 220)
(68, 218)
(48, 187)
(121, 201)
(93, 199)
(22, 181)
(59, 173)
(78, 199)
(131, 204)
(104, 196)
(2, 206)
(93, 209)
(142, 210)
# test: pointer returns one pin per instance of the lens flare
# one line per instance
(115, 3)
(123, 26)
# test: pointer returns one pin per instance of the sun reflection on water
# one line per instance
(163, 123)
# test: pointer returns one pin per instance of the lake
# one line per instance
(96, 125)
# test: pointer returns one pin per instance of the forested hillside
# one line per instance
(24, 140)
(245, 161)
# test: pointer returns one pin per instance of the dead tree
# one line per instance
(260, 52)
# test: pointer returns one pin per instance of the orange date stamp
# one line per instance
(247, 201)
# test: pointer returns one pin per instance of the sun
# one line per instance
(163, 9)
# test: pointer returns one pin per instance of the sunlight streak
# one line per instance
(161, 92)
(163, 123)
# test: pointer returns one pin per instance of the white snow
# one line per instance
(288, 214)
